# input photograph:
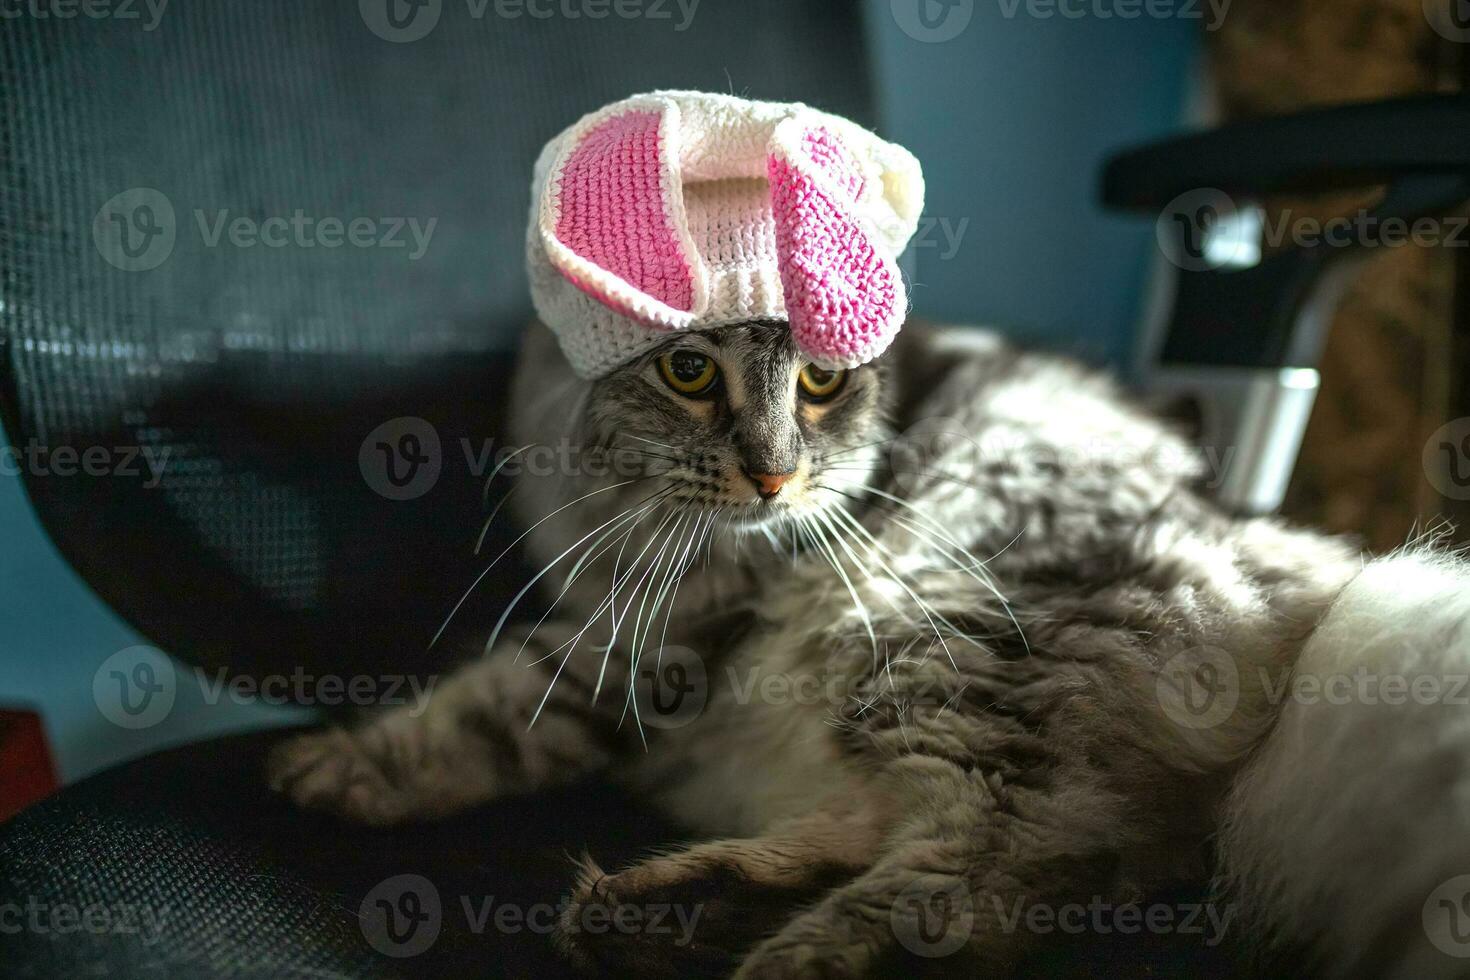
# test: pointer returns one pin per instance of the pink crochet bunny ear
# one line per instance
(613, 218)
(845, 296)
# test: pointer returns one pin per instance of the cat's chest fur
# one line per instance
(764, 746)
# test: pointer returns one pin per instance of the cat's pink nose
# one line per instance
(769, 484)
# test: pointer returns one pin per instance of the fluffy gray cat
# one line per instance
(946, 638)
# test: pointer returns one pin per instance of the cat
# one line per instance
(1020, 661)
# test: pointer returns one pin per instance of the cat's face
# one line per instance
(736, 419)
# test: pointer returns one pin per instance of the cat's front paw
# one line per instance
(337, 771)
(682, 914)
(610, 925)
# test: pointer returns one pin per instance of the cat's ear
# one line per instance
(841, 220)
(612, 219)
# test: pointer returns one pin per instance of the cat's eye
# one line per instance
(819, 384)
(687, 372)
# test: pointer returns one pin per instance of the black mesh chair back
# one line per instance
(239, 239)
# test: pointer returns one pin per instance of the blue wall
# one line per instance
(55, 634)
(1012, 118)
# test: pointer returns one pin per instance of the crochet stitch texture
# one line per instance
(684, 211)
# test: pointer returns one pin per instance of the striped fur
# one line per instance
(970, 597)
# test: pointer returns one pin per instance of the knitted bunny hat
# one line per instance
(686, 210)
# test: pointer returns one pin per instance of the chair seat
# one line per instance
(206, 873)
(183, 864)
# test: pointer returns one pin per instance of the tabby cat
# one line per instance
(1020, 660)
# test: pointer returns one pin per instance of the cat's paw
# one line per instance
(594, 931)
(337, 771)
(795, 963)
(678, 915)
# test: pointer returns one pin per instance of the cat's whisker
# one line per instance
(490, 480)
(928, 612)
(640, 639)
(976, 570)
(669, 590)
(571, 644)
(858, 527)
(510, 607)
(927, 473)
(607, 649)
(651, 442)
(620, 620)
(586, 558)
(644, 453)
(694, 556)
(939, 538)
(858, 604)
(934, 534)
(480, 541)
(610, 603)
(633, 657)
(859, 448)
(486, 570)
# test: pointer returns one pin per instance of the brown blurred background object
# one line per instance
(1393, 371)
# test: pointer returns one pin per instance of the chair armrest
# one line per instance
(1334, 148)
